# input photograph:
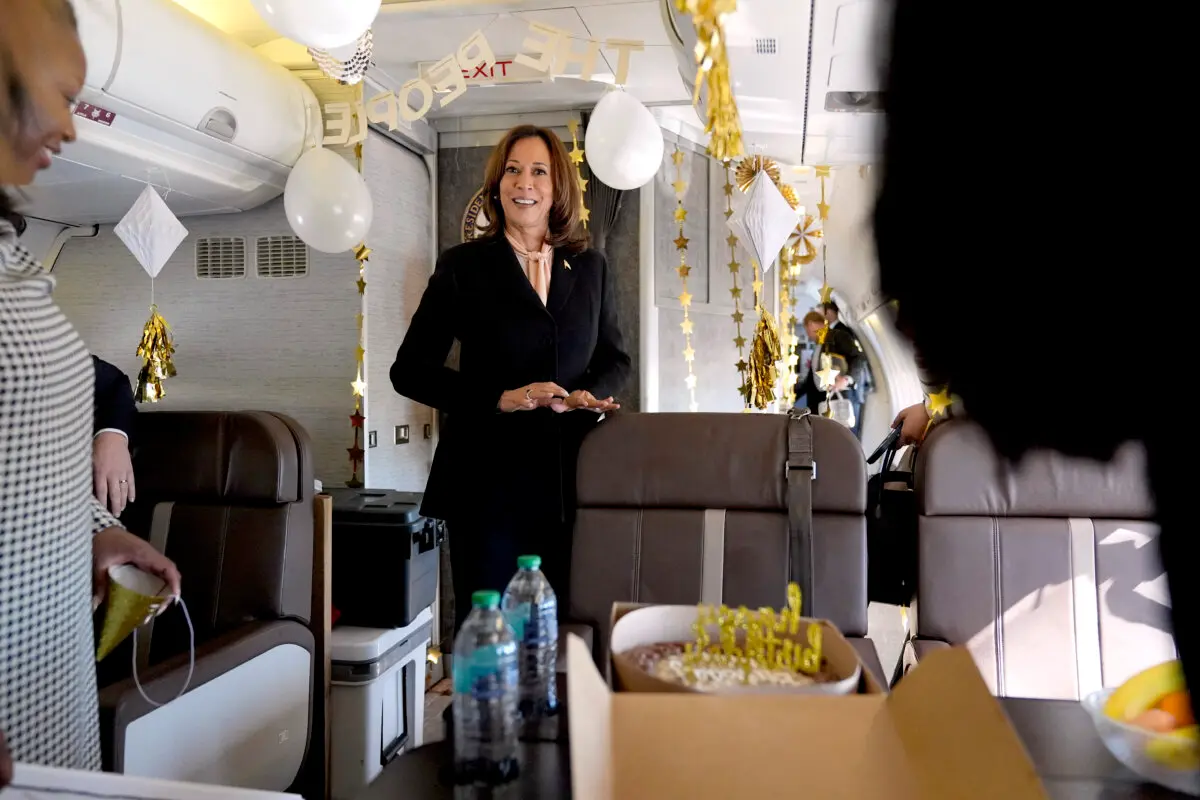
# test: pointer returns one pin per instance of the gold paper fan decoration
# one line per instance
(807, 233)
(789, 194)
(752, 165)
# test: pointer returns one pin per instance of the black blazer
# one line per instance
(839, 341)
(113, 400)
(520, 464)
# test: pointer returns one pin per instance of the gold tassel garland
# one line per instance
(764, 352)
(156, 350)
(712, 69)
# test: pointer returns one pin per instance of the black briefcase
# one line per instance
(891, 534)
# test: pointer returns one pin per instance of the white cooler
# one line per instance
(377, 709)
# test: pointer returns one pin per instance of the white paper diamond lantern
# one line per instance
(767, 219)
(150, 231)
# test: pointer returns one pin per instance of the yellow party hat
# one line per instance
(134, 598)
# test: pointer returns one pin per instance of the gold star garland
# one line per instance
(362, 254)
(789, 276)
(736, 291)
(826, 291)
(712, 69)
(685, 299)
(576, 155)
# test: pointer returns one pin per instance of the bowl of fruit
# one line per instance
(1147, 724)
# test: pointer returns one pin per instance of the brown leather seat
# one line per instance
(666, 499)
(228, 495)
(1047, 570)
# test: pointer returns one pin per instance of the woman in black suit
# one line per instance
(541, 357)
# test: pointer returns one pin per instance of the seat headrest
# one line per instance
(959, 473)
(246, 456)
(731, 461)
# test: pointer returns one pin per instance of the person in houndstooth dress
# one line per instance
(55, 537)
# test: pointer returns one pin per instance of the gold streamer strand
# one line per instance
(712, 70)
(576, 155)
(358, 388)
(735, 268)
(685, 299)
(789, 276)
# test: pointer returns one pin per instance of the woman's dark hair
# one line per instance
(565, 232)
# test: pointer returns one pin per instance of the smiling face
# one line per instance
(45, 49)
(527, 187)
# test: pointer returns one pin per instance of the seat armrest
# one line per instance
(121, 703)
(580, 629)
(916, 648)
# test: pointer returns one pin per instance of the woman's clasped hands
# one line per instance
(551, 395)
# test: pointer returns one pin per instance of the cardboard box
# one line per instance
(635, 625)
(939, 735)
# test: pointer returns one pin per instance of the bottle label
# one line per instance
(517, 618)
(534, 629)
(487, 672)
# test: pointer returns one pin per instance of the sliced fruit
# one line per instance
(1179, 706)
(1177, 750)
(1155, 720)
(1144, 690)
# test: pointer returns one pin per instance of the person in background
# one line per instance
(112, 442)
(1046, 381)
(56, 541)
(840, 344)
(859, 384)
(541, 358)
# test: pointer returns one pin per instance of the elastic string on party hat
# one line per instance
(191, 658)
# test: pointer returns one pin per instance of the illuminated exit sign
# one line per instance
(505, 70)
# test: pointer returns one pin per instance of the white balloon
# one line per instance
(322, 24)
(327, 202)
(623, 143)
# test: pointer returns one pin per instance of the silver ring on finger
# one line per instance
(122, 481)
(529, 394)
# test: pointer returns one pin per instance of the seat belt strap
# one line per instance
(801, 472)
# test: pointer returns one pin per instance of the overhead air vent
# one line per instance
(281, 257)
(766, 47)
(219, 257)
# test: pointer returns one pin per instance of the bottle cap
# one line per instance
(488, 598)
(529, 562)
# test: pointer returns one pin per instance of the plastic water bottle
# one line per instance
(485, 696)
(531, 608)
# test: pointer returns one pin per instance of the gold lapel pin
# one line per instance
(566, 264)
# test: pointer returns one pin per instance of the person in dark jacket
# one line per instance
(1048, 383)
(541, 358)
(842, 346)
(112, 439)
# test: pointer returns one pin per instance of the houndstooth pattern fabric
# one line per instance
(48, 708)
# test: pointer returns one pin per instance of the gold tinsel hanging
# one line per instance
(765, 352)
(156, 350)
(712, 69)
